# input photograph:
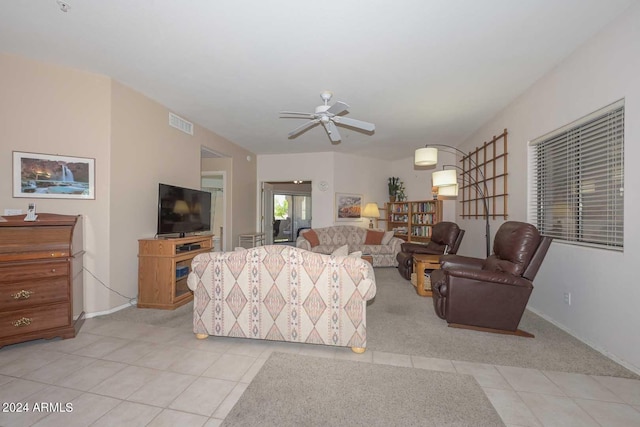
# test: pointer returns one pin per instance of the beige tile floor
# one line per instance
(129, 374)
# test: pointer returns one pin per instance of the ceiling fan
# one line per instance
(329, 117)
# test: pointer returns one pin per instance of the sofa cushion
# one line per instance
(312, 237)
(387, 237)
(374, 237)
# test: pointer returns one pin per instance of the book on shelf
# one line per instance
(421, 231)
(424, 207)
(423, 218)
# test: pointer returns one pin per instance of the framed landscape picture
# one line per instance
(348, 207)
(52, 176)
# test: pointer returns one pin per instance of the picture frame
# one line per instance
(348, 207)
(51, 176)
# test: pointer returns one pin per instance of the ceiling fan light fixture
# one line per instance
(327, 115)
(326, 96)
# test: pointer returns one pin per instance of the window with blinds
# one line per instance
(576, 189)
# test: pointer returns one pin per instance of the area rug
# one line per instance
(400, 321)
(294, 390)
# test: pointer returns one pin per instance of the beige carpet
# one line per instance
(294, 390)
(400, 321)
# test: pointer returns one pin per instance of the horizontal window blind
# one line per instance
(576, 191)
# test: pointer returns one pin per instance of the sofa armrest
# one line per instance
(368, 284)
(303, 243)
(396, 244)
(194, 277)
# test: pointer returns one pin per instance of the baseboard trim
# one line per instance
(600, 350)
(113, 310)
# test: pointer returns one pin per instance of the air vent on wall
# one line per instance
(180, 124)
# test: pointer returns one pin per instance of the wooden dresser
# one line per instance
(41, 289)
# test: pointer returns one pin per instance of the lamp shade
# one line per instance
(426, 156)
(444, 178)
(448, 191)
(371, 211)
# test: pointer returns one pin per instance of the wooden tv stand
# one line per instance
(159, 261)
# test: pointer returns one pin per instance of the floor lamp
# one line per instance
(447, 180)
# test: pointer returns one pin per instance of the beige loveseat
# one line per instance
(282, 293)
(331, 238)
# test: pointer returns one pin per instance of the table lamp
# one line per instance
(371, 211)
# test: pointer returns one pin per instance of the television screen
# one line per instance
(183, 210)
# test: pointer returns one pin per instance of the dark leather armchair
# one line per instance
(444, 234)
(491, 294)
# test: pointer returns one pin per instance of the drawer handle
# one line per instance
(22, 294)
(25, 321)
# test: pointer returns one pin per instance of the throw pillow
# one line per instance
(356, 254)
(387, 238)
(341, 251)
(374, 237)
(312, 238)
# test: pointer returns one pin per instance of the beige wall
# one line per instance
(145, 150)
(345, 173)
(57, 110)
(604, 284)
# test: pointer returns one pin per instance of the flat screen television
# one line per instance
(183, 210)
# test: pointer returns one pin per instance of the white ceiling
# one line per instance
(421, 70)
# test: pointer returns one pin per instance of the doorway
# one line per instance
(286, 211)
(214, 182)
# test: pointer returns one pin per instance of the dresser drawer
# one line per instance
(35, 319)
(14, 296)
(19, 272)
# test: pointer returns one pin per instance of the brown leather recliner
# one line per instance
(491, 294)
(444, 234)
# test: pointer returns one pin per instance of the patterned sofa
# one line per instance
(331, 238)
(282, 293)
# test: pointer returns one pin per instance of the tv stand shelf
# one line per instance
(159, 261)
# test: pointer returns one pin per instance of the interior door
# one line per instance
(267, 212)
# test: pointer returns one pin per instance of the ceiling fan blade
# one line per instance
(303, 128)
(332, 131)
(338, 108)
(359, 124)
(296, 113)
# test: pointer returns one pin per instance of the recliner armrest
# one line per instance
(490, 277)
(460, 262)
(426, 250)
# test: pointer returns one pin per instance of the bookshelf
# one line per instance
(413, 220)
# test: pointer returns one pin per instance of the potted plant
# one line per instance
(394, 186)
(400, 196)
